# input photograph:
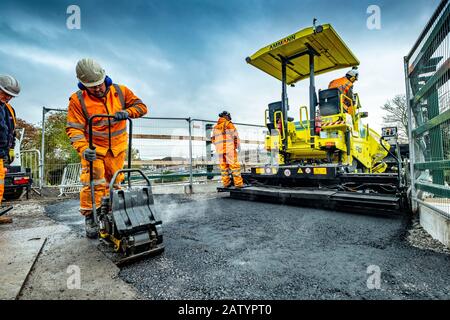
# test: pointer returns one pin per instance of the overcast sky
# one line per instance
(187, 57)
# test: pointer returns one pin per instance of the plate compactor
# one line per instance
(127, 220)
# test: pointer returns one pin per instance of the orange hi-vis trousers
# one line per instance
(229, 164)
(2, 180)
(104, 169)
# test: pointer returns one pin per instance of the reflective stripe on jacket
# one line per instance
(106, 133)
(4, 145)
(225, 136)
(11, 125)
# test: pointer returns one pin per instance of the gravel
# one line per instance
(419, 238)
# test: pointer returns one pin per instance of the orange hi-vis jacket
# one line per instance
(107, 133)
(343, 84)
(225, 137)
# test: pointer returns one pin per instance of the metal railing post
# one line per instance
(190, 157)
(208, 143)
(412, 154)
(42, 158)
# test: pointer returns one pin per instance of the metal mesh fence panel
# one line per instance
(30, 159)
(428, 90)
(167, 150)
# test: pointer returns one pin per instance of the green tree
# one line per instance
(57, 144)
(58, 151)
(31, 135)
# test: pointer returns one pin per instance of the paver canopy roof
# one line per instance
(334, 54)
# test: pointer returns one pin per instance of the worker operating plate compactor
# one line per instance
(127, 219)
(329, 158)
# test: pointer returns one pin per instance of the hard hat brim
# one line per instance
(9, 92)
(92, 84)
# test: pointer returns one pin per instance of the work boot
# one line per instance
(91, 227)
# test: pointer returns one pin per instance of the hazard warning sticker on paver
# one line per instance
(320, 171)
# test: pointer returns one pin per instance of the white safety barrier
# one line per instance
(31, 159)
(70, 182)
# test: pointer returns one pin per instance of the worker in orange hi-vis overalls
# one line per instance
(99, 95)
(226, 140)
(345, 84)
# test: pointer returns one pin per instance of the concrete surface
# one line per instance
(55, 274)
(218, 248)
(18, 257)
(20, 244)
(32, 269)
(435, 224)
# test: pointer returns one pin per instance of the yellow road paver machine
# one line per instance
(329, 157)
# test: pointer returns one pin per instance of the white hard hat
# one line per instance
(90, 73)
(353, 73)
(9, 85)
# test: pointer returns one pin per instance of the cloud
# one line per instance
(188, 58)
(36, 55)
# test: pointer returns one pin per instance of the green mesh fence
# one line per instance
(427, 70)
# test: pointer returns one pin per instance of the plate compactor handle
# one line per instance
(91, 164)
(129, 171)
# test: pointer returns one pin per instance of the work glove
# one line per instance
(121, 115)
(11, 155)
(89, 154)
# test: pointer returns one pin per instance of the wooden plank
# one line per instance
(166, 137)
(184, 138)
(185, 162)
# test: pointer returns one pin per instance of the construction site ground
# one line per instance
(219, 248)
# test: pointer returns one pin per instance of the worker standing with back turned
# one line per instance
(99, 95)
(226, 140)
(345, 84)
